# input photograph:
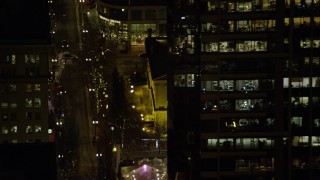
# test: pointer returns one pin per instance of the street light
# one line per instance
(59, 123)
(95, 123)
(98, 155)
(114, 148)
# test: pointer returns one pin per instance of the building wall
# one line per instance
(135, 19)
(160, 94)
(24, 93)
(248, 62)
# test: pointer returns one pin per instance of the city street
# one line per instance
(73, 81)
(84, 69)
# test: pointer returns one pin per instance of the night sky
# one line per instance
(23, 21)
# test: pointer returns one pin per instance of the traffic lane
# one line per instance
(66, 22)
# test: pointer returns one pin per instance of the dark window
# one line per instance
(151, 14)
(162, 30)
(136, 15)
(5, 116)
(13, 116)
(28, 115)
(37, 116)
(163, 14)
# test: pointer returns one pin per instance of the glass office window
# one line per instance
(37, 88)
(226, 85)
(28, 102)
(209, 85)
(29, 129)
(247, 85)
(37, 102)
(212, 143)
(184, 80)
(296, 121)
(249, 104)
(37, 129)
(4, 130)
(14, 129)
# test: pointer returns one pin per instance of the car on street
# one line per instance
(65, 44)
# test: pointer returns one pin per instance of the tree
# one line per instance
(160, 132)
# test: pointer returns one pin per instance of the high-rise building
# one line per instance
(131, 19)
(244, 89)
(25, 45)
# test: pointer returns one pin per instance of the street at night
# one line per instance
(90, 144)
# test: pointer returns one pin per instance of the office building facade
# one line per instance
(132, 19)
(243, 101)
(25, 45)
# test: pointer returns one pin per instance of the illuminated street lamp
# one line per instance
(98, 155)
(59, 123)
(95, 123)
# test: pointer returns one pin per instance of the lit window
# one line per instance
(13, 59)
(300, 101)
(28, 88)
(4, 130)
(226, 85)
(37, 102)
(315, 141)
(37, 129)
(4, 105)
(26, 59)
(14, 130)
(190, 80)
(180, 81)
(28, 102)
(12, 88)
(212, 143)
(28, 129)
(300, 141)
(247, 85)
(209, 86)
(316, 82)
(296, 121)
(31, 58)
(37, 87)
(13, 105)
(244, 6)
(249, 104)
